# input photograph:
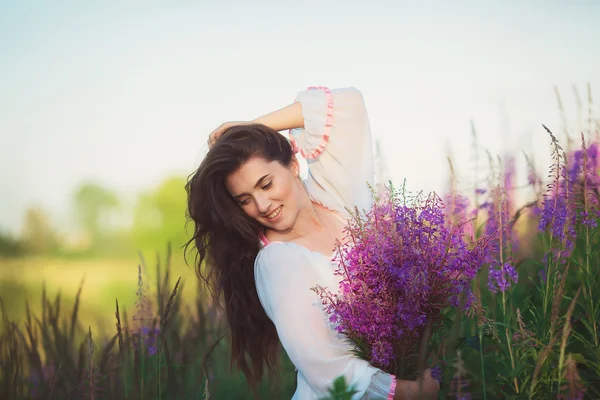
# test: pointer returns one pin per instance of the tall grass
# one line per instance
(533, 329)
(165, 350)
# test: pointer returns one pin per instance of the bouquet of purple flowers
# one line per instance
(401, 266)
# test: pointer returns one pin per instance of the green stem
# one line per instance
(482, 363)
(158, 369)
(588, 292)
(508, 343)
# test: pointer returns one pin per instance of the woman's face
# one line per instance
(268, 192)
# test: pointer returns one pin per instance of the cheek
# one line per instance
(251, 210)
(290, 193)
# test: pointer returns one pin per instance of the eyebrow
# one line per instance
(258, 183)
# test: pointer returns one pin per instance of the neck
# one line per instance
(309, 219)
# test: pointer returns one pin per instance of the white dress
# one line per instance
(336, 140)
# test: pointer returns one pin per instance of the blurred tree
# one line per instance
(94, 206)
(10, 246)
(102, 223)
(37, 235)
(159, 216)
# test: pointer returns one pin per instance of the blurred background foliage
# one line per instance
(101, 244)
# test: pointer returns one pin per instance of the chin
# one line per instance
(279, 226)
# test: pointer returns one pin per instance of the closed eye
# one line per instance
(246, 200)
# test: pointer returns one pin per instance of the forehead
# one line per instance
(244, 178)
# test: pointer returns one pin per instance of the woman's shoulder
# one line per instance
(282, 256)
(282, 264)
(276, 251)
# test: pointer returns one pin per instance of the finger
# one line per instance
(212, 138)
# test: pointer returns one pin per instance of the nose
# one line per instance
(263, 203)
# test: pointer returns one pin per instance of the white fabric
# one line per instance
(338, 177)
(286, 272)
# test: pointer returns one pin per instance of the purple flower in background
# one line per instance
(593, 155)
(456, 212)
(558, 211)
(501, 279)
(591, 208)
(543, 275)
(436, 373)
(458, 387)
(561, 201)
(575, 166)
(509, 174)
(147, 338)
(498, 227)
(532, 175)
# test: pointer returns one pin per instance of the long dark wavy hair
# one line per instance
(227, 243)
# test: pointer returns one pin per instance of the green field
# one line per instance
(104, 280)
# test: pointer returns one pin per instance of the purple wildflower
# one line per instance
(436, 373)
(543, 275)
(457, 212)
(146, 338)
(532, 175)
(558, 212)
(509, 174)
(401, 266)
(502, 279)
(498, 227)
(463, 396)
(575, 166)
(590, 181)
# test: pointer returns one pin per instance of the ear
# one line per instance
(295, 166)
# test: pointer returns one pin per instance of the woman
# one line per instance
(267, 237)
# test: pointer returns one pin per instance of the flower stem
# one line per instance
(508, 343)
(482, 363)
(589, 288)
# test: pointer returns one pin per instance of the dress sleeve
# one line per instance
(336, 143)
(284, 277)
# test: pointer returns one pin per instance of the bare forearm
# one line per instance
(410, 390)
(289, 117)
(405, 390)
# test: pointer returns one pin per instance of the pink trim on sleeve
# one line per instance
(264, 239)
(328, 122)
(392, 389)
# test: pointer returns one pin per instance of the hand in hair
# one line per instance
(215, 134)
(288, 117)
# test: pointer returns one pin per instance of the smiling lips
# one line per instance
(274, 214)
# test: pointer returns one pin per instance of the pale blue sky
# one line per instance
(126, 92)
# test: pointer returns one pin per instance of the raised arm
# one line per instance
(288, 117)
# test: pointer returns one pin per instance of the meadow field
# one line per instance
(143, 328)
(102, 280)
